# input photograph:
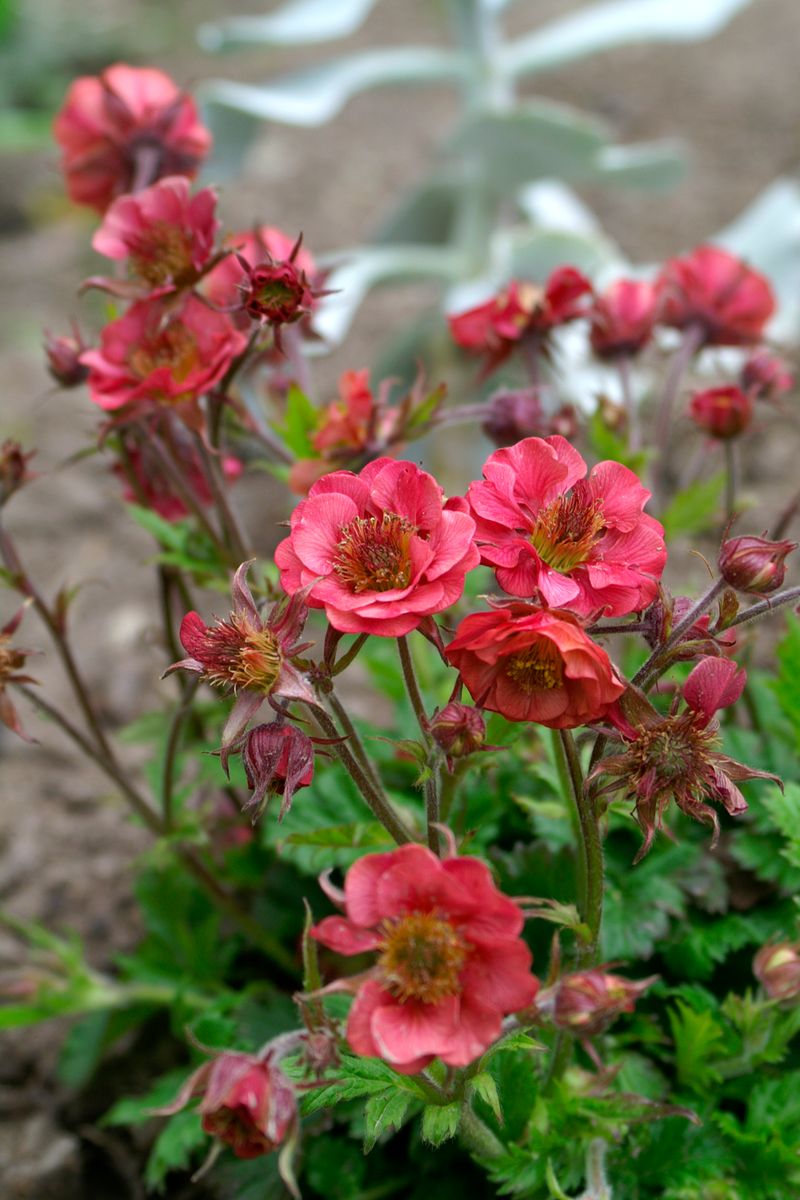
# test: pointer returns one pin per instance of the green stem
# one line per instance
(591, 860)
(565, 780)
(477, 1136)
(731, 479)
(182, 712)
(432, 808)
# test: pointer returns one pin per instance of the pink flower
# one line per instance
(493, 329)
(451, 963)
(123, 130)
(582, 544)
(533, 664)
(765, 376)
(622, 318)
(166, 233)
(263, 243)
(724, 412)
(380, 550)
(459, 730)
(158, 353)
(247, 1102)
(249, 654)
(674, 757)
(712, 289)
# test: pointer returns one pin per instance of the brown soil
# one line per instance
(66, 845)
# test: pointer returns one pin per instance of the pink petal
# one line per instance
(407, 1031)
(339, 935)
(713, 684)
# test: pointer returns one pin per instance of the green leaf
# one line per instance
(484, 1087)
(440, 1122)
(300, 420)
(136, 1110)
(699, 1043)
(786, 684)
(601, 27)
(317, 94)
(647, 165)
(175, 1149)
(299, 23)
(650, 891)
(356, 836)
(335, 1168)
(607, 445)
(695, 509)
(384, 1112)
(356, 1077)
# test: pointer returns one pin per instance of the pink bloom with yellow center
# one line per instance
(166, 233)
(161, 354)
(531, 664)
(451, 963)
(576, 543)
(124, 129)
(380, 550)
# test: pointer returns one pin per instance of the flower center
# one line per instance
(237, 655)
(539, 668)
(373, 553)
(566, 531)
(172, 346)
(163, 253)
(674, 753)
(10, 660)
(422, 956)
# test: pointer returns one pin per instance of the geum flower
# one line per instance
(123, 130)
(576, 543)
(675, 756)
(223, 284)
(623, 318)
(588, 1002)
(777, 968)
(723, 412)
(165, 233)
(532, 664)
(249, 655)
(278, 760)
(451, 963)
(522, 311)
(380, 551)
(754, 564)
(161, 353)
(715, 292)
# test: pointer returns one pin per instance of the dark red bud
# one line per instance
(13, 468)
(724, 412)
(63, 359)
(459, 729)
(754, 564)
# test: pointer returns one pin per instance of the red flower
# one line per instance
(155, 490)
(165, 232)
(123, 130)
(675, 756)
(587, 1002)
(278, 760)
(451, 962)
(159, 354)
(379, 550)
(532, 664)
(765, 376)
(754, 564)
(492, 329)
(712, 289)
(248, 1103)
(582, 544)
(724, 412)
(248, 654)
(777, 969)
(223, 284)
(622, 319)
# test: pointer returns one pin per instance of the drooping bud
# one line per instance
(589, 1001)
(13, 468)
(765, 376)
(278, 760)
(622, 318)
(724, 412)
(514, 414)
(63, 359)
(754, 564)
(459, 730)
(777, 969)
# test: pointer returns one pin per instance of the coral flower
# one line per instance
(723, 412)
(166, 233)
(494, 328)
(248, 654)
(582, 544)
(124, 129)
(380, 550)
(451, 963)
(716, 292)
(622, 318)
(159, 354)
(675, 757)
(265, 243)
(532, 664)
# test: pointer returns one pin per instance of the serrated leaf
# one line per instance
(387, 1110)
(699, 1043)
(484, 1086)
(695, 509)
(176, 1148)
(356, 1077)
(440, 1122)
(300, 418)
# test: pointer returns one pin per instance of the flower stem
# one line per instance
(765, 606)
(182, 712)
(689, 346)
(591, 858)
(655, 664)
(432, 808)
(238, 540)
(731, 479)
(477, 1136)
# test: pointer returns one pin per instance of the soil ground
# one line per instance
(66, 846)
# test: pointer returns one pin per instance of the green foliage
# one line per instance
(694, 509)
(440, 1122)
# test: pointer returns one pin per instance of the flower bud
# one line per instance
(765, 377)
(278, 293)
(63, 359)
(589, 1001)
(754, 564)
(724, 412)
(622, 318)
(513, 415)
(777, 969)
(459, 729)
(278, 759)
(13, 468)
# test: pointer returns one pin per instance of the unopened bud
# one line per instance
(765, 376)
(13, 468)
(513, 415)
(754, 564)
(724, 412)
(777, 969)
(278, 759)
(589, 1001)
(459, 729)
(64, 359)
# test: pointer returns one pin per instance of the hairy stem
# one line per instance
(689, 346)
(591, 857)
(432, 807)
(476, 1136)
(238, 541)
(180, 716)
(655, 663)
